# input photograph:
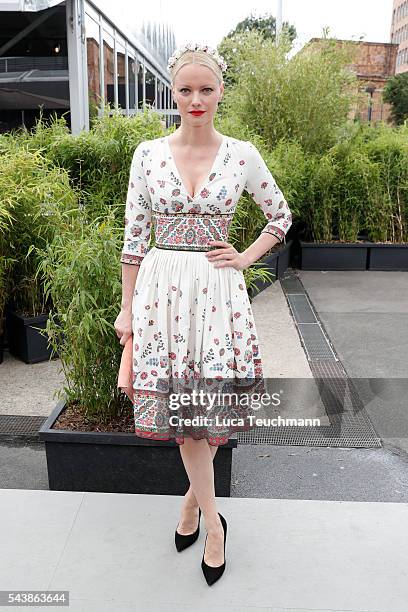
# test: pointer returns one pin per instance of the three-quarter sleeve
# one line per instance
(265, 192)
(138, 213)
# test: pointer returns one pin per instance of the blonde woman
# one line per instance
(185, 300)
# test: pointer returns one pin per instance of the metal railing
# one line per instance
(22, 64)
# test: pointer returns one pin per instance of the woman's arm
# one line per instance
(129, 276)
(259, 247)
(265, 192)
(138, 220)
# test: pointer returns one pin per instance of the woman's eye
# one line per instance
(205, 89)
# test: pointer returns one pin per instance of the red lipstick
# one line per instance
(197, 113)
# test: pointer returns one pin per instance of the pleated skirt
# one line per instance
(196, 357)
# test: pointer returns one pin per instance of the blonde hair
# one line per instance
(196, 57)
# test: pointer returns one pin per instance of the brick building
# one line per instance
(373, 64)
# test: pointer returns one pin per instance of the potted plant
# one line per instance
(335, 189)
(386, 225)
(357, 212)
(5, 265)
(32, 191)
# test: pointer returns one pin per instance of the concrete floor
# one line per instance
(116, 553)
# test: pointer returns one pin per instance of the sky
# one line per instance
(209, 21)
(348, 19)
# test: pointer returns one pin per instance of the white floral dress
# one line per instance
(193, 326)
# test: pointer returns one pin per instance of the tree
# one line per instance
(305, 99)
(266, 25)
(396, 93)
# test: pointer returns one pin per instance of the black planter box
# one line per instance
(284, 255)
(334, 255)
(393, 256)
(363, 255)
(24, 341)
(122, 462)
(276, 263)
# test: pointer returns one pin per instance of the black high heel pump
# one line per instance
(184, 541)
(212, 574)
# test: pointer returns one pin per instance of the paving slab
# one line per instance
(118, 551)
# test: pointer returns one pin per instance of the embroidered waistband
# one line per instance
(190, 233)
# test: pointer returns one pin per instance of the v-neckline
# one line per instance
(208, 174)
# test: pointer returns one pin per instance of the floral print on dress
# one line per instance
(265, 192)
(138, 213)
(156, 195)
(192, 323)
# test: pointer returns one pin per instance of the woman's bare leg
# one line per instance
(189, 510)
(198, 462)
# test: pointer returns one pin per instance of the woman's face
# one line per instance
(196, 87)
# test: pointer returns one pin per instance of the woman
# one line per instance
(185, 299)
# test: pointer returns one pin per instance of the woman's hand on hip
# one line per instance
(226, 255)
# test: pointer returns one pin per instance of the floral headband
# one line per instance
(196, 47)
